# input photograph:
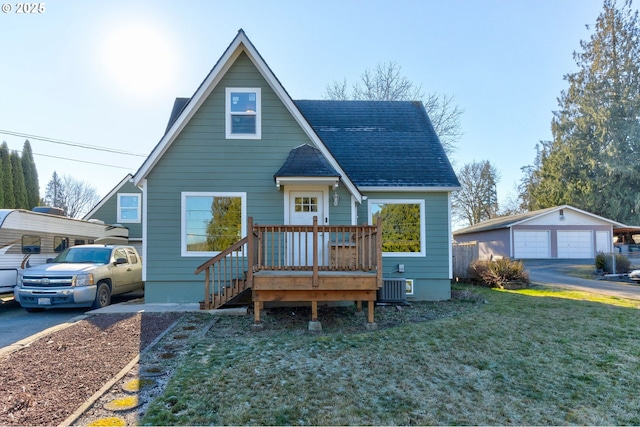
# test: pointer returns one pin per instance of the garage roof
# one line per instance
(511, 220)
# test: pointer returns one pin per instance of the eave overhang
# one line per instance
(308, 180)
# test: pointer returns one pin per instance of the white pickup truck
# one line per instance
(80, 276)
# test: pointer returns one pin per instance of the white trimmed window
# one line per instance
(128, 207)
(243, 113)
(211, 222)
(403, 226)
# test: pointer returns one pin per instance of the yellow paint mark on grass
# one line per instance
(122, 404)
(109, 421)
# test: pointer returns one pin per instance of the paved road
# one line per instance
(553, 273)
(17, 324)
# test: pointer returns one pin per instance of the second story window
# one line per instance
(243, 113)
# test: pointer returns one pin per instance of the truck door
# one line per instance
(122, 273)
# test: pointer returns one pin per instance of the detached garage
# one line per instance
(558, 232)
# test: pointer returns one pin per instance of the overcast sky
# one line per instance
(105, 73)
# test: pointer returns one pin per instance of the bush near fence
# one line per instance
(613, 263)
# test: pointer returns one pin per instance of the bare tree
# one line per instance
(75, 197)
(477, 200)
(386, 83)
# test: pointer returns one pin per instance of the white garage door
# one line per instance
(575, 244)
(531, 244)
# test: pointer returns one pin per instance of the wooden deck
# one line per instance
(298, 263)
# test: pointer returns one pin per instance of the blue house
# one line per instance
(240, 154)
(122, 205)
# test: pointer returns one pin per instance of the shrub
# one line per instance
(604, 262)
(499, 273)
(601, 261)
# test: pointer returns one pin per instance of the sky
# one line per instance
(91, 83)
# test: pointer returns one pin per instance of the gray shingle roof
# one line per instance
(381, 143)
(178, 106)
(307, 161)
(377, 143)
(511, 220)
(503, 221)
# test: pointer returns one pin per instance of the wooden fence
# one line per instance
(463, 255)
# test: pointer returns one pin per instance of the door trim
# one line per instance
(325, 201)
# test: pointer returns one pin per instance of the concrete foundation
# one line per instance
(315, 326)
(371, 326)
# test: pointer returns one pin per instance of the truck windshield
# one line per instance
(84, 255)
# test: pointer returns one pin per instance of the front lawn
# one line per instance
(488, 357)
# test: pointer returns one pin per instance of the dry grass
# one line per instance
(526, 357)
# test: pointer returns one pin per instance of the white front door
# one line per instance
(303, 206)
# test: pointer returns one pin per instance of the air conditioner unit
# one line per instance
(393, 291)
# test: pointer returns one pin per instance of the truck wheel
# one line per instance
(103, 296)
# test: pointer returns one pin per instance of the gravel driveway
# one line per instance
(45, 382)
(554, 273)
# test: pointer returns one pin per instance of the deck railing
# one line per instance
(314, 248)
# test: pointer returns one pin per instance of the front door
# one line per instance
(303, 206)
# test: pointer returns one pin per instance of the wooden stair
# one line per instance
(227, 295)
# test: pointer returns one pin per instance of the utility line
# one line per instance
(69, 143)
(83, 161)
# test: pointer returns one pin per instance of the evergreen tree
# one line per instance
(19, 187)
(55, 194)
(224, 228)
(400, 227)
(593, 161)
(9, 201)
(30, 176)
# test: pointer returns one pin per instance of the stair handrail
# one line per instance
(233, 248)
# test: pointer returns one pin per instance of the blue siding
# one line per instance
(430, 273)
(202, 160)
(108, 212)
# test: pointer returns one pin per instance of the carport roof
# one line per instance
(511, 220)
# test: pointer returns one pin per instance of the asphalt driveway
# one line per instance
(554, 273)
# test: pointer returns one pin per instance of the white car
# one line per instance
(635, 275)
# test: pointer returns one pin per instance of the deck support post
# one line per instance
(257, 325)
(359, 311)
(371, 305)
(207, 290)
(371, 325)
(314, 325)
(256, 312)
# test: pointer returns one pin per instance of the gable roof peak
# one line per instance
(240, 43)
